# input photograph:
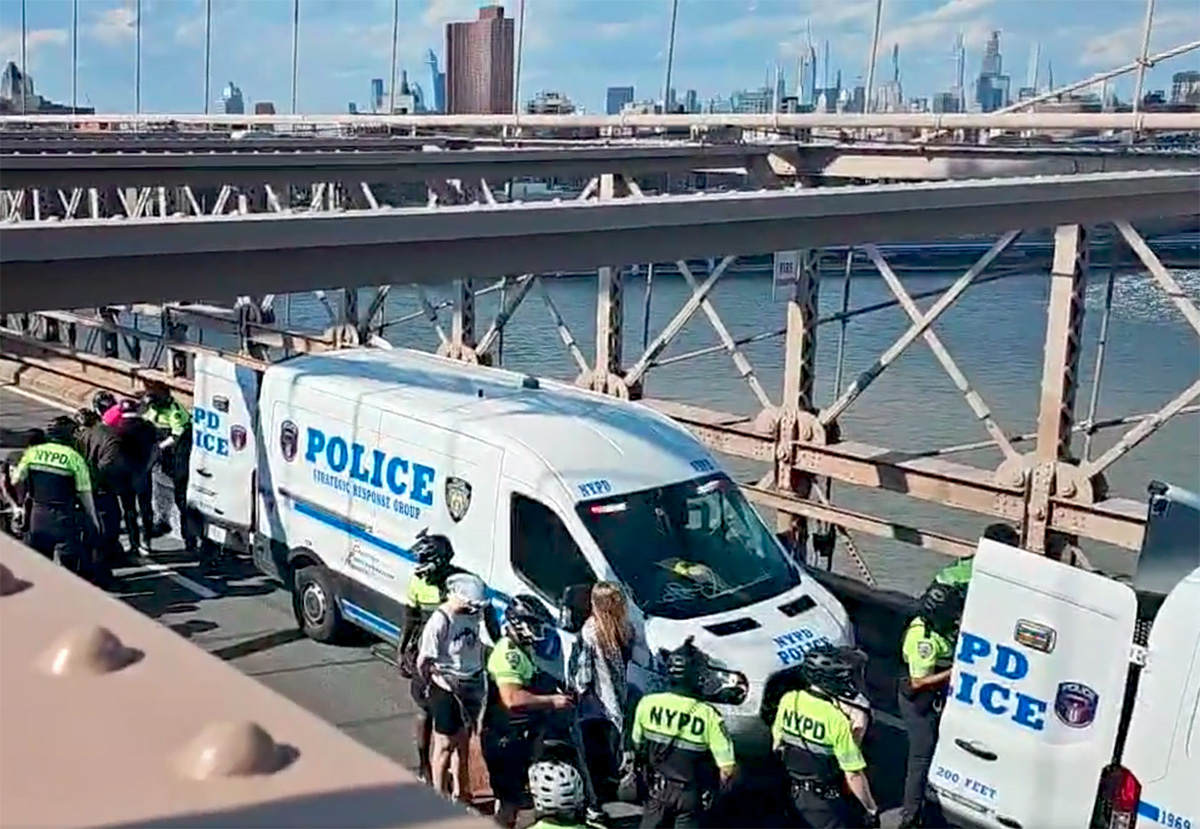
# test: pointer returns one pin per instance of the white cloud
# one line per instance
(116, 26)
(1112, 49)
(36, 41)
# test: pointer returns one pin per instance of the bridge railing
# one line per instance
(99, 729)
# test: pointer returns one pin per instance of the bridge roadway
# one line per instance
(49, 265)
(299, 162)
(242, 619)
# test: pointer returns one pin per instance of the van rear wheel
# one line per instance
(314, 601)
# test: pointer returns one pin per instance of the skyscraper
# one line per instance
(232, 102)
(616, 97)
(479, 64)
(437, 81)
(376, 94)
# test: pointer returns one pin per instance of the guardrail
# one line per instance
(111, 719)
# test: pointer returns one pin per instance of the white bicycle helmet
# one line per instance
(468, 588)
(557, 788)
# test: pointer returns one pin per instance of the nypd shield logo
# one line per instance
(1075, 704)
(289, 440)
(458, 498)
(237, 436)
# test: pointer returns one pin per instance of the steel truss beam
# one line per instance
(100, 262)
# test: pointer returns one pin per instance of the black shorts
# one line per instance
(450, 713)
(419, 688)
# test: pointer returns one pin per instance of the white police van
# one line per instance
(326, 466)
(1075, 698)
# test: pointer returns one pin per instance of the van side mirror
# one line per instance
(574, 608)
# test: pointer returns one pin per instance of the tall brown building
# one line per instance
(479, 64)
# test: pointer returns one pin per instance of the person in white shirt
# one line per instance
(451, 659)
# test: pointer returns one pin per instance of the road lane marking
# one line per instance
(37, 398)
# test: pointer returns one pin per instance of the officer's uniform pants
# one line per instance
(57, 532)
(921, 719)
(672, 804)
(821, 809)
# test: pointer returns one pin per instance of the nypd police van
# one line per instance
(1075, 698)
(324, 468)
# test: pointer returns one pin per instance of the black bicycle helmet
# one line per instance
(941, 607)
(433, 553)
(834, 671)
(61, 429)
(86, 418)
(102, 401)
(686, 666)
(526, 620)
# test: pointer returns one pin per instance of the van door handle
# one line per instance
(204, 473)
(976, 751)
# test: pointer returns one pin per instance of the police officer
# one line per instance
(814, 737)
(170, 419)
(559, 796)
(959, 573)
(928, 653)
(101, 448)
(519, 704)
(59, 486)
(139, 446)
(681, 744)
(17, 512)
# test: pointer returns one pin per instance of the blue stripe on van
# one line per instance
(1148, 811)
(373, 623)
(337, 522)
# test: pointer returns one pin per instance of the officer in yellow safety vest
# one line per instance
(171, 420)
(814, 737)
(681, 744)
(59, 488)
(928, 654)
(959, 573)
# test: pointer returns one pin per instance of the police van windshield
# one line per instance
(689, 549)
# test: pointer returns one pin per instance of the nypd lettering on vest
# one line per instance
(989, 675)
(679, 722)
(372, 474)
(206, 432)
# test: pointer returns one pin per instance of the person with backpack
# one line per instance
(450, 660)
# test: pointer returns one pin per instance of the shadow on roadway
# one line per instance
(376, 807)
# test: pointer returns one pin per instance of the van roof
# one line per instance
(581, 435)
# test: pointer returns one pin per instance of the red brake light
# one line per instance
(1120, 794)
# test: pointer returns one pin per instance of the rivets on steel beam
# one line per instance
(11, 583)
(232, 749)
(93, 651)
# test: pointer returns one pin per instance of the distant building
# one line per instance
(437, 81)
(616, 98)
(376, 94)
(946, 101)
(264, 108)
(352, 108)
(691, 102)
(17, 96)
(550, 103)
(406, 101)
(232, 102)
(1185, 88)
(479, 64)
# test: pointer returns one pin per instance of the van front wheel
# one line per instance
(314, 601)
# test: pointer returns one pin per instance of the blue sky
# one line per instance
(575, 46)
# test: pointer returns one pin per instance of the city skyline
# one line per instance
(576, 47)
